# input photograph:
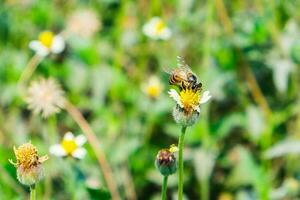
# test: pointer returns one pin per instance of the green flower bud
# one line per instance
(166, 162)
(184, 119)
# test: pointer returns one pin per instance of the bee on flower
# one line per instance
(188, 99)
(153, 88)
(45, 96)
(157, 29)
(29, 164)
(70, 146)
(47, 43)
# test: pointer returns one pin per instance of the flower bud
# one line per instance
(166, 162)
(184, 119)
(29, 164)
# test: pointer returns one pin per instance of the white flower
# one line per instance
(70, 146)
(45, 96)
(157, 29)
(189, 100)
(48, 43)
(84, 23)
(153, 88)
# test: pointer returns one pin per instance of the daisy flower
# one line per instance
(48, 43)
(157, 29)
(188, 103)
(153, 88)
(29, 164)
(45, 96)
(70, 146)
(84, 23)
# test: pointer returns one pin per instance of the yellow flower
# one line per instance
(189, 100)
(70, 146)
(157, 29)
(153, 88)
(29, 169)
(45, 96)
(187, 110)
(48, 43)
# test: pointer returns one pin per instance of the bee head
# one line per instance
(192, 78)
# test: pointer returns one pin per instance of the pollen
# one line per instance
(69, 146)
(153, 91)
(46, 38)
(189, 99)
(160, 26)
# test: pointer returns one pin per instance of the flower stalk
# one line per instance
(164, 188)
(28, 71)
(180, 162)
(95, 144)
(32, 192)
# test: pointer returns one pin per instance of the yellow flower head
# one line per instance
(190, 99)
(46, 38)
(157, 29)
(70, 146)
(159, 26)
(153, 88)
(29, 170)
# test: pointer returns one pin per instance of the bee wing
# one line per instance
(168, 70)
(181, 63)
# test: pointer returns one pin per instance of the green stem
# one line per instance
(164, 188)
(205, 189)
(180, 163)
(32, 192)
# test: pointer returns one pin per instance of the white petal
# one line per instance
(58, 44)
(39, 48)
(57, 150)
(165, 34)
(205, 97)
(80, 140)
(69, 136)
(79, 153)
(174, 94)
(197, 108)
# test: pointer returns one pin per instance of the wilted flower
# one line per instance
(29, 164)
(70, 146)
(187, 110)
(48, 43)
(84, 23)
(45, 96)
(157, 29)
(166, 162)
(153, 88)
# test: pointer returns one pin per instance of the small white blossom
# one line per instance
(48, 43)
(153, 88)
(84, 23)
(157, 29)
(45, 96)
(70, 146)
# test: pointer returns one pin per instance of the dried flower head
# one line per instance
(187, 110)
(157, 29)
(153, 88)
(70, 146)
(45, 96)
(166, 162)
(48, 43)
(29, 164)
(84, 23)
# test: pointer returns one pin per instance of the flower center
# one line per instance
(153, 91)
(159, 27)
(26, 155)
(189, 99)
(69, 146)
(46, 38)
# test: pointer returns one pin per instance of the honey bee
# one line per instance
(183, 76)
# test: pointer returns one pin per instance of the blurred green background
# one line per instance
(246, 144)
